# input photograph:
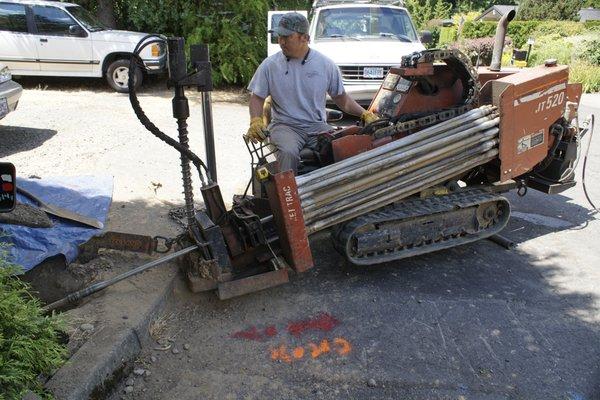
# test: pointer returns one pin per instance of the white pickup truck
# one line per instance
(49, 38)
(364, 39)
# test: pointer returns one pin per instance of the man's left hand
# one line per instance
(368, 117)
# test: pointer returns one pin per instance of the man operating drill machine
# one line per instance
(298, 79)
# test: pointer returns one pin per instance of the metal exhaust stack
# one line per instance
(499, 40)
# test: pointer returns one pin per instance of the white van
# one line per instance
(364, 39)
(50, 38)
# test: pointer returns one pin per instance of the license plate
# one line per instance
(373, 72)
(3, 107)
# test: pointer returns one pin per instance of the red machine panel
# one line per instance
(529, 103)
(287, 214)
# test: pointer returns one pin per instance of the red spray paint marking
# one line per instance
(270, 331)
(323, 322)
(254, 334)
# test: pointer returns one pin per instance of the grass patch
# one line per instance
(586, 74)
(29, 343)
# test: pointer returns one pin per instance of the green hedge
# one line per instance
(448, 34)
(29, 344)
(518, 31)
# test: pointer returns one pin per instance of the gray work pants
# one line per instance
(289, 142)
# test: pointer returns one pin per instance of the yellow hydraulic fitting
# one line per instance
(262, 173)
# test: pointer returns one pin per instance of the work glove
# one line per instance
(257, 130)
(367, 117)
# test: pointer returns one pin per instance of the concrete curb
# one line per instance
(95, 364)
(110, 352)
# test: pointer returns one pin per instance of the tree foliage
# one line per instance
(423, 11)
(548, 9)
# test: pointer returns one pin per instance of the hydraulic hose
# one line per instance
(587, 196)
(149, 125)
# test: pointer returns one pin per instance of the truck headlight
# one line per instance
(5, 75)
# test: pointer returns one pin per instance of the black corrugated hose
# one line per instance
(587, 196)
(135, 59)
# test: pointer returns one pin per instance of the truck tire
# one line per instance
(117, 76)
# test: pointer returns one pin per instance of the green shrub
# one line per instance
(551, 46)
(518, 31)
(448, 34)
(548, 9)
(591, 51)
(561, 28)
(586, 74)
(479, 50)
(238, 41)
(423, 11)
(478, 29)
(29, 344)
(435, 37)
(592, 25)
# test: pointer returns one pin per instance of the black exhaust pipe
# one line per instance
(499, 40)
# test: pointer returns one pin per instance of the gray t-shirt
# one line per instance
(298, 91)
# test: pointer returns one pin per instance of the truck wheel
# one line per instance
(117, 76)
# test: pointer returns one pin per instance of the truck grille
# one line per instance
(355, 72)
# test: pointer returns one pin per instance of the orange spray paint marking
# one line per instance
(323, 322)
(280, 354)
(316, 351)
(298, 352)
(343, 346)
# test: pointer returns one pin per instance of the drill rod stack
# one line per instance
(373, 179)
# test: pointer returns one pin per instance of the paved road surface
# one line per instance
(474, 322)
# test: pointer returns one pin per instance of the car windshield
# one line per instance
(86, 18)
(365, 23)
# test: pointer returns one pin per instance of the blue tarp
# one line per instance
(86, 195)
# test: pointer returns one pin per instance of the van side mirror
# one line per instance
(8, 187)
(426, 37)
(76, 30)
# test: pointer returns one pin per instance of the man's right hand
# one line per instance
(257, 129)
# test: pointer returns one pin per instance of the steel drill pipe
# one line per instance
(410, 150)
(310, 217)
(368, 166)
(404, 180)
(402, 147)
(371, 180)
(393, 158)
(341, 191)
(425, 133)
(405, 192)
(455, 122)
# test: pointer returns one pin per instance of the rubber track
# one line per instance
(343, 234)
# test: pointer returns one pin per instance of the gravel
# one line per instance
(86, 327)
(95, 132)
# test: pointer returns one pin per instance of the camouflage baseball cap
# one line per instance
(290, 23)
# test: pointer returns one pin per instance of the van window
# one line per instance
(12, 18)
(52, 21)
(365, 23)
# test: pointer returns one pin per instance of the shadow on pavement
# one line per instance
(15, 139)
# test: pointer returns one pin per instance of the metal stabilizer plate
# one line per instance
(418, 226)
(254, 283)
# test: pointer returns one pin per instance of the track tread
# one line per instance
(344, 234)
